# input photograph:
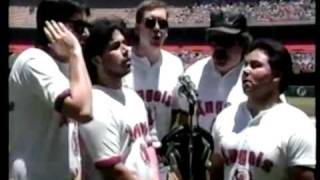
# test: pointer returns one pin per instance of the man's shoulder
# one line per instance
(33, 51)
(131, 93)
(198, 66)
(32, 54)
(293, 114)
(170, 56)
(230, 111)
(31, 60)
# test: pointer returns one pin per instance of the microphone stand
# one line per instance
(190, 144)
(191, 94)
(192, 97)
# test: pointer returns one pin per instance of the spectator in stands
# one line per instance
(48, 86)
(255, 11)
(154, 71)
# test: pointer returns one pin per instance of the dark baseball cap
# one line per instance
(227, 23)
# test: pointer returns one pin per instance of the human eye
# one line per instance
(115, 45)
(255, 64)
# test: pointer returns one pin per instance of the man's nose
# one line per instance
(126, 51)
(246, 70)
(157, 26)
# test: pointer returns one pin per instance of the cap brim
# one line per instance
(223, 30)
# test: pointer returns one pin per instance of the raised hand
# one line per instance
(62, 41)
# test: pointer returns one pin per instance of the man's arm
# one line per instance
(117, 172)
(301, 173)
(75, 103)
(301, 149)
(217, 167)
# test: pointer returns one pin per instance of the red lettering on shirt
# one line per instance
(244, 157)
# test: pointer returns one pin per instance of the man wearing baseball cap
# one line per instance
(216, 77)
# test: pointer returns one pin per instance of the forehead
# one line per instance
(257, 55)
(157, 12)
(117, 35)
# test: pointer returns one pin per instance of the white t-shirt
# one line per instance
(118, 132)
(215, 91)
(155, 85)
(40, 147)
(264, 147)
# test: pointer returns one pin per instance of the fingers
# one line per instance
(48, 34)
(56, 27)
(62, 27)
(54, 30)
(50, 28)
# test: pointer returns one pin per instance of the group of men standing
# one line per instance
(82, 80)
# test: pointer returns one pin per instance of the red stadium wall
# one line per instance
(16, 48)
(207, 48)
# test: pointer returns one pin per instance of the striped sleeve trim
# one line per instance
(108, 162)
(58, 104)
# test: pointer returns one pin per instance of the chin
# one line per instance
(222, 69)
(126, 72)
(156, 43)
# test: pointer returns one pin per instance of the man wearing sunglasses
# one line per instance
(155, 71)
(216, 77)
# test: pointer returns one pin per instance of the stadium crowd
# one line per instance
(303, 62)
(257, 12)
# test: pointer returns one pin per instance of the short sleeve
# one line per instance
(302, 146)
(102, 139)
(43, 78)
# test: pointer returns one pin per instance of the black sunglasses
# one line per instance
(150, 23)
(79, 25)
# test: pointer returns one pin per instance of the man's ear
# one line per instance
(276, 76)
(276, 79)
(96, 60)
(136, 29)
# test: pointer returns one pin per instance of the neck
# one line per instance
(257, 104)
(151, 53)
(111, 82)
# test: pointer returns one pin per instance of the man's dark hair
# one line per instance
(100, 36)
(149, 5)
(58, 10)
(279, 59)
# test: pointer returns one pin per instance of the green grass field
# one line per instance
(307, 104)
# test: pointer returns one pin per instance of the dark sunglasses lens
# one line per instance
(150, 23)
(80, 25)
(163, 24)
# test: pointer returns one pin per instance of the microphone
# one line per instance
(187, 89)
